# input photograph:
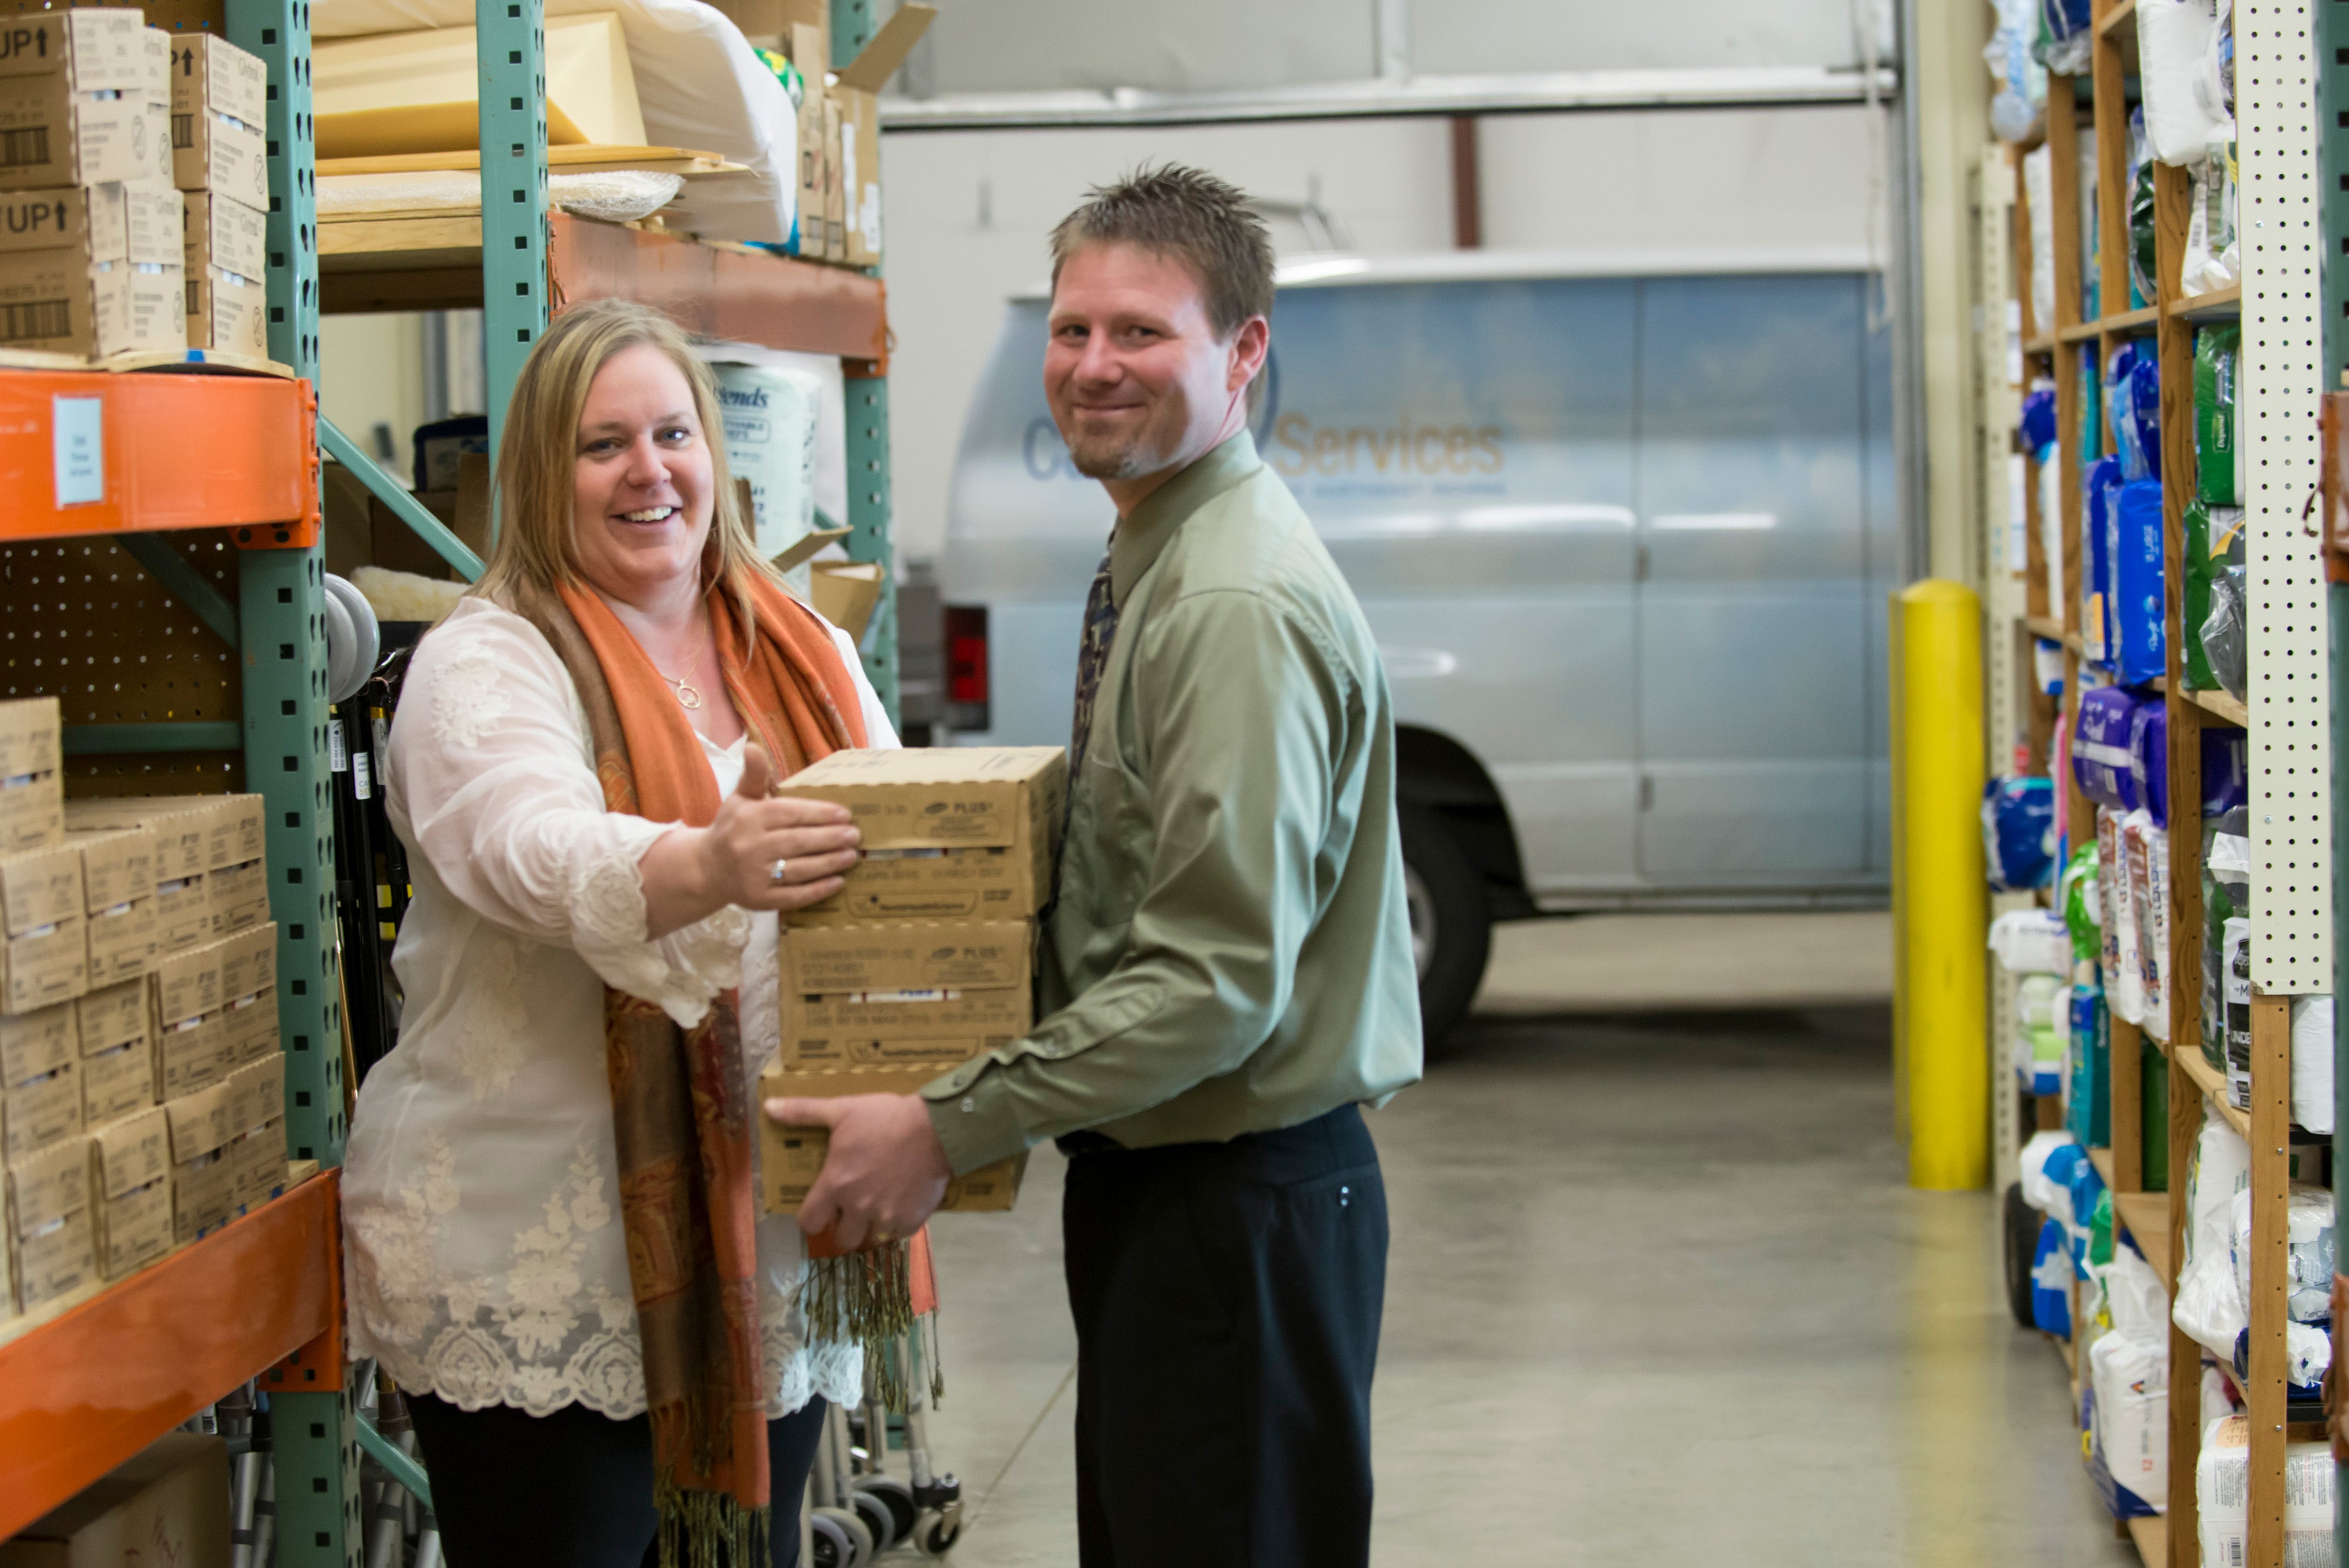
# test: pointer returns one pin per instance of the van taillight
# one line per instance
(966, 671)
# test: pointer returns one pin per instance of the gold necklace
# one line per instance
(687, 696)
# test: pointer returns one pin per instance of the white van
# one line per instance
(1625, 541)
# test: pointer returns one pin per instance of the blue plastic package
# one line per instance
(2145, 406)
(2019, 832)
(2088, 1110)
(2051, 1281)
(2102, 735)
(2038, 426)
(2119, 405)
(2098, 487)
(2226, 770)
(2139, 650)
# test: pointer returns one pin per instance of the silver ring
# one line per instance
(776, 873)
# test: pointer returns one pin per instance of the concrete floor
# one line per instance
(1657, 1290)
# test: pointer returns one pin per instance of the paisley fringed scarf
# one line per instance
(681, 1106)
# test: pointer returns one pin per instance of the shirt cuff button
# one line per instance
(969, 1105)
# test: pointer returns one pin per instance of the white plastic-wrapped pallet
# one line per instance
(2311, 1062)
(2222, 1498)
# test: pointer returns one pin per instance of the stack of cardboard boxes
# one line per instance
(104, 123)
(219, 159)
(925, 957)
(141, 1091)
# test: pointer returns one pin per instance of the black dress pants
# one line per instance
(573, 1489)
(1227, 1299)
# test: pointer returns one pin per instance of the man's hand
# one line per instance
(884, 1172)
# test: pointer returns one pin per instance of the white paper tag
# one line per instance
(337, 758)
(77, 426)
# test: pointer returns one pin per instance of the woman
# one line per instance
(553, 1241)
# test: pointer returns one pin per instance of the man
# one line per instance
(1228, 971)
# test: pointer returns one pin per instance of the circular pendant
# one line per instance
(687, 696)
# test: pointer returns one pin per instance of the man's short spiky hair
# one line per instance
(1189, 215)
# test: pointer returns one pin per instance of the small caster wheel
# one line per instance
(832, 1549)
(880, 1519)
(898, 1498)
(851, 1530)
(935, 1534)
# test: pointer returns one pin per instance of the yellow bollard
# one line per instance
(1940, 898)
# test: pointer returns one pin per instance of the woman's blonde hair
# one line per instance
(539, 448)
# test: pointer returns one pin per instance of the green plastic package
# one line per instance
(2076, 896)
(2213, 541)
(2217, 461)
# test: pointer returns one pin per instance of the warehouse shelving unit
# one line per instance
(2283, 715)
(200, 571)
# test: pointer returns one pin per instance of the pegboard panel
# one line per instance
(81, 621)
(2278, 221)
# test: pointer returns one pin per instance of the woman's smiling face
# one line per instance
(641, 496)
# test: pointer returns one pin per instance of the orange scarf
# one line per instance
(681, 1105)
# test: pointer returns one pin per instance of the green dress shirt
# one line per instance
(1230, 951)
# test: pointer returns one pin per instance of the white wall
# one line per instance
(371, 372)
(968, 214)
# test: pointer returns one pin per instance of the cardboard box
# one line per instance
(202, 1123)
(183, 915)
(392, 93)
(32, 810)
(40, 888)
(90, 50)
(248, 962)
(258, 1165)
(857, 90)
(218, 111)
(186, 985)
(55, 1261)
(131, 1193)
(912, 955)
(40, 1111)
(790, 1158)
(47, 965)
(835, 210)
(220, 231)
(51, 302)
(106, 1018)
(844, 593)
(807, 34)
(238, 896)
(121, 941)
(48, 1185)
(938, 1029)
(117, 1082)
(227, 312)
(53, 136)
(250, 1024)
(132, 223)
(256, 1096)
(168, 1504)
(949, 833)
(208, 72)
(192, 1054)
(177, 823)
(203, 1181)
(33, 1044)
(118, 867)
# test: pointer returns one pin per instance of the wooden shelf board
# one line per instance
(731, 293)
(2213, 1085)
(193, 451)
(2044, 626)
(2080, 332)
(85, 1390)
(2146, 1217)
(2232, 709)
(2218, 304)
(2102, 1158)
(2040, 346)
(576, 160)
(2151, 1538)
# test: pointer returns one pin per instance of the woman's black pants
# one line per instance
(573, 1489)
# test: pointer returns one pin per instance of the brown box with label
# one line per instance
(188, 832)
(49, 1236)
(203, 1181)
(169, 1504)
(41, 887)
(249, 994)
(47, 965)
(118, 873)
(238, 896)
(85, 101)
(790, 1158)
(52, 303)
(32, 788)
(43, 1110)
(912, 993)
(225, 254)
(219, 106)
(948, 832)
(227, 313)
(118, 1051)
(130, 1192)
(35, 1045)
(184, 1006)
(857, 90)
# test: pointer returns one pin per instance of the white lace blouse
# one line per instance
(485, 1259)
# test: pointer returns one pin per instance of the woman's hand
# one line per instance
(692, 873)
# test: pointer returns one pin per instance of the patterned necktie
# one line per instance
(1092, 654)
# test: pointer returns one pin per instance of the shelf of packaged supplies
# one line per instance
(2102, 1158)
(86, 451)
(2218, 304)
(2146, 1217)
(2150, 1534)
(2224, 705)
(2213, 1085)
(736, 294)
(2047, 627)
(85, 1390)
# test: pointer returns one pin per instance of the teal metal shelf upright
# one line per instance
(870, 504)
(281, 595)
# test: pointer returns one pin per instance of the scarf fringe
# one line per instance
(868, 1298)
(709, 1530)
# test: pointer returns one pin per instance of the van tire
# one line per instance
(1451, 922)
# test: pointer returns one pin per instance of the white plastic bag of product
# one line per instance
(2146, 850)
(2050, 526)
(2312, 1062)
(2040, 1000)
(2209, 1309)
(770, 413)
(2173, 39)
(2136, 1300)
(2031, 941)
(2307, 1352)
(2218, 1400)
(2221, 1170)
(2051, 1199)
(2131, 1377)
(2039, 200)
(2309, 1250)
(2222, 1498)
